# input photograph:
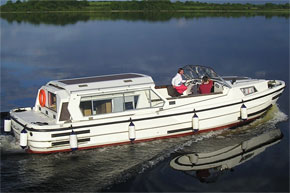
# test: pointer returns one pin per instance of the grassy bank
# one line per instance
(134, 6)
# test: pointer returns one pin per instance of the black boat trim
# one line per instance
(68, 133)
(67, 142)
(276, 96)
(179, 130)
(260, 111)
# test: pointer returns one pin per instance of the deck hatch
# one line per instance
(99, 79)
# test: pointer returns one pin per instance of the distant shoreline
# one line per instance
(161, 11)
(74, 6)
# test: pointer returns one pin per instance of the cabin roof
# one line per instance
(102, 82)
(100, 78)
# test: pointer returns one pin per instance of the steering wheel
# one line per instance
(192, 81)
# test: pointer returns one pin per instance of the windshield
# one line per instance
(196, 72)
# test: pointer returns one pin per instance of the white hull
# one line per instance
(215, 111)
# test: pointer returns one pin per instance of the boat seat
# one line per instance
(172, 91)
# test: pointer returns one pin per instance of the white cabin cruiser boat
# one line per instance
(116, 109)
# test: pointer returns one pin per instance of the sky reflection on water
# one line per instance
(32, 55)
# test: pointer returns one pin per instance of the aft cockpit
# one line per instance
(193, 75)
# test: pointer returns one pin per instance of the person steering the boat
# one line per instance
(206, 85)
(177, 81)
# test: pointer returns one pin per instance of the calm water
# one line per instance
(39, 48)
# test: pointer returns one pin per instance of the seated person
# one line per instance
(177, 81)
(206, 85)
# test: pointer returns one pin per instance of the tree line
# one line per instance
(43, 5)
(143, 5)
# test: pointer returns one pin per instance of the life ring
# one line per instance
(42, 98)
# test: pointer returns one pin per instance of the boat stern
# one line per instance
(21, 124)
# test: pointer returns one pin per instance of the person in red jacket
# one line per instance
(206, 85)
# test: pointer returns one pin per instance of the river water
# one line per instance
(38, 48)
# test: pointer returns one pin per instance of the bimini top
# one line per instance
(103, 82)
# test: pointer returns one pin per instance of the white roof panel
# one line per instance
(103, 82)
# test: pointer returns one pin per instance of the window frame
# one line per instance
(49, 104)
(103, 97)
(249, 87)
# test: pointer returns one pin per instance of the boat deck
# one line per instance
(35, 117)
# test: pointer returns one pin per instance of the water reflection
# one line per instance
(32, 55)
(63, 19)
(207, 166)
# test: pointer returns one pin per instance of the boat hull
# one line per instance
(214, 112)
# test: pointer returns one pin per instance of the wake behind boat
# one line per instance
(116, 109)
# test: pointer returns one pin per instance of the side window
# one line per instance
(117, 103)
(102, 106)
(137, 100)
(52, 101)
(248, 90)
(156, 101)
(96, 105)
(64, 114)
(86, 107)
(130, 101)
(114, 103)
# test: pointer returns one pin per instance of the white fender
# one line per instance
(7, 125)
(195, 123)
(132, 131)
(23, 138)
(73, 141)
(244, 115)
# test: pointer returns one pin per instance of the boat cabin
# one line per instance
(100, 97)
(86, 98)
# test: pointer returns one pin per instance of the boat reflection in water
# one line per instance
(207, 166)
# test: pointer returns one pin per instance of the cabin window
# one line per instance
(102, 106)
(86, 107)
(64, 113)
(96, 107)
(142, 99)
(118, 103)
(248, 90)
(130, 100)
(156, 101)
(52, 101)
(114, 103)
